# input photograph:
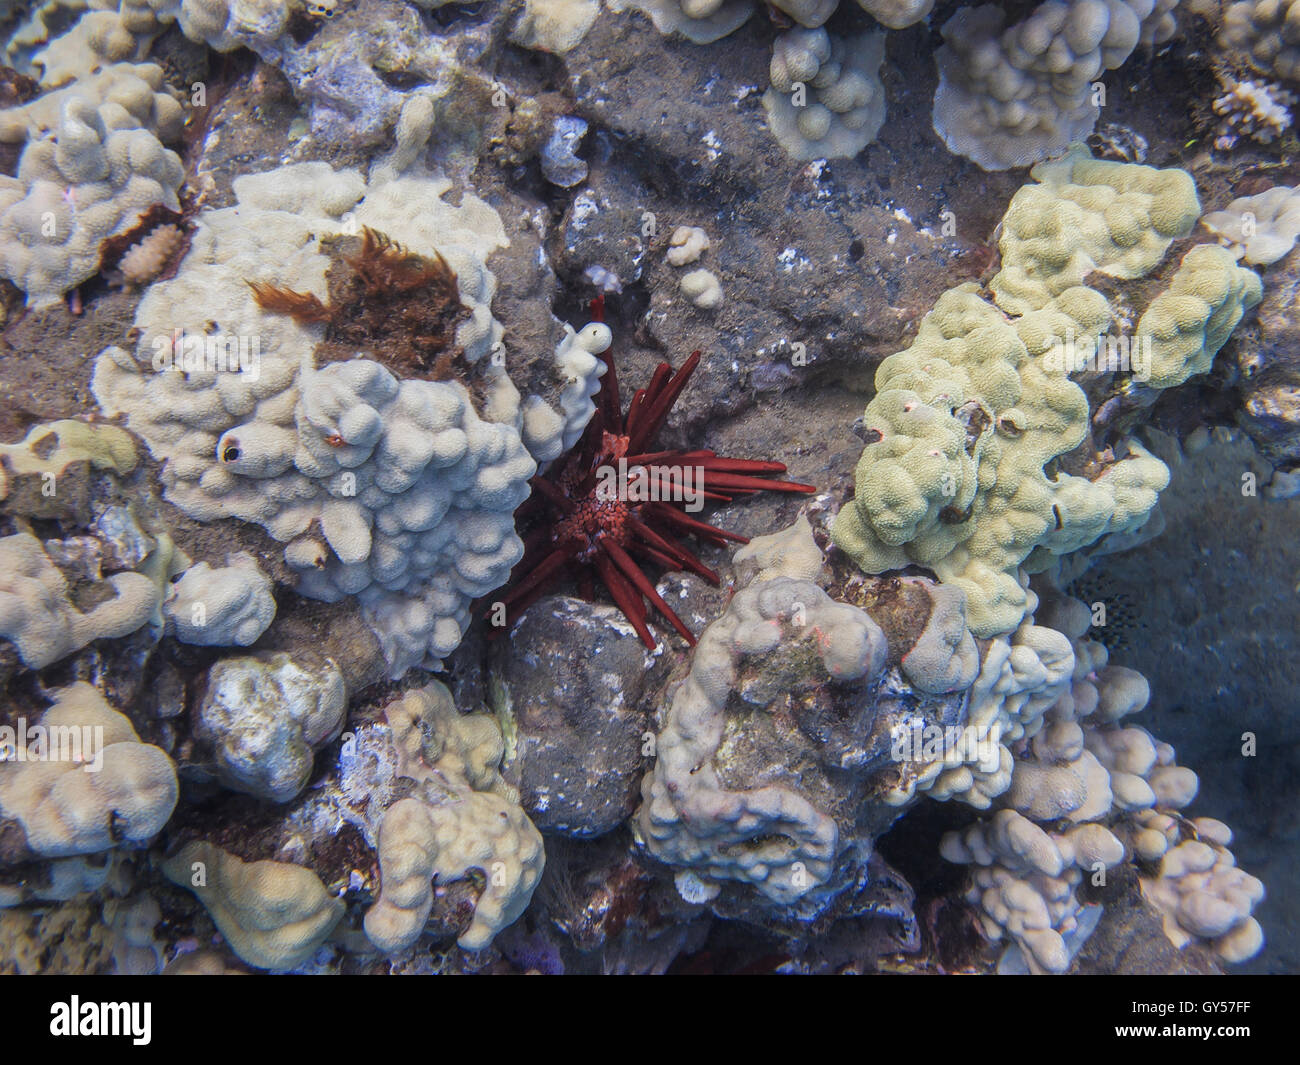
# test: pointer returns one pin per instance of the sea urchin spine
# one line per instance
(583, 523)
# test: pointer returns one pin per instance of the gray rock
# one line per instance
(567, 685)
(265, 715)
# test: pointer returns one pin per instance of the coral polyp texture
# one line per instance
(646, 487)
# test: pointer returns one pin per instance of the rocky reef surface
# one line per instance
(556, 486)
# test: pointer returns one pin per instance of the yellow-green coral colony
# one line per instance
(973, 417)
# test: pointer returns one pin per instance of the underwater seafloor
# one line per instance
(548, 487)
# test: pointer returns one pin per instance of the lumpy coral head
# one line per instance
(966, 424)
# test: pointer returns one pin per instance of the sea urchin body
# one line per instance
(614, 504)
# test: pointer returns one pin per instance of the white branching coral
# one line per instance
(686, 245)
(97, 38)
(826, 100)
(1011, 96)
(699, 21)
(394, 491)
(225, 606)
(73, 191)
(897, 13)
(1203, 895)
(1253, 109)
(554, 25)
(37, 612)
(1025, 878)
(1020, 677)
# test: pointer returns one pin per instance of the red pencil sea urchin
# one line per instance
(582, 522)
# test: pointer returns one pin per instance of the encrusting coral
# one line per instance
(38, 614)
(125, 95)
(780, 744)
(54, 596)
(227, 606)
(273, 914)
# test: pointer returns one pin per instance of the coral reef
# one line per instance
(38, 615)
(1264, 34)
(55, 597)
(310, 420)
(80, 781)
(1116, 792)
(125, 95)
(390, 490)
